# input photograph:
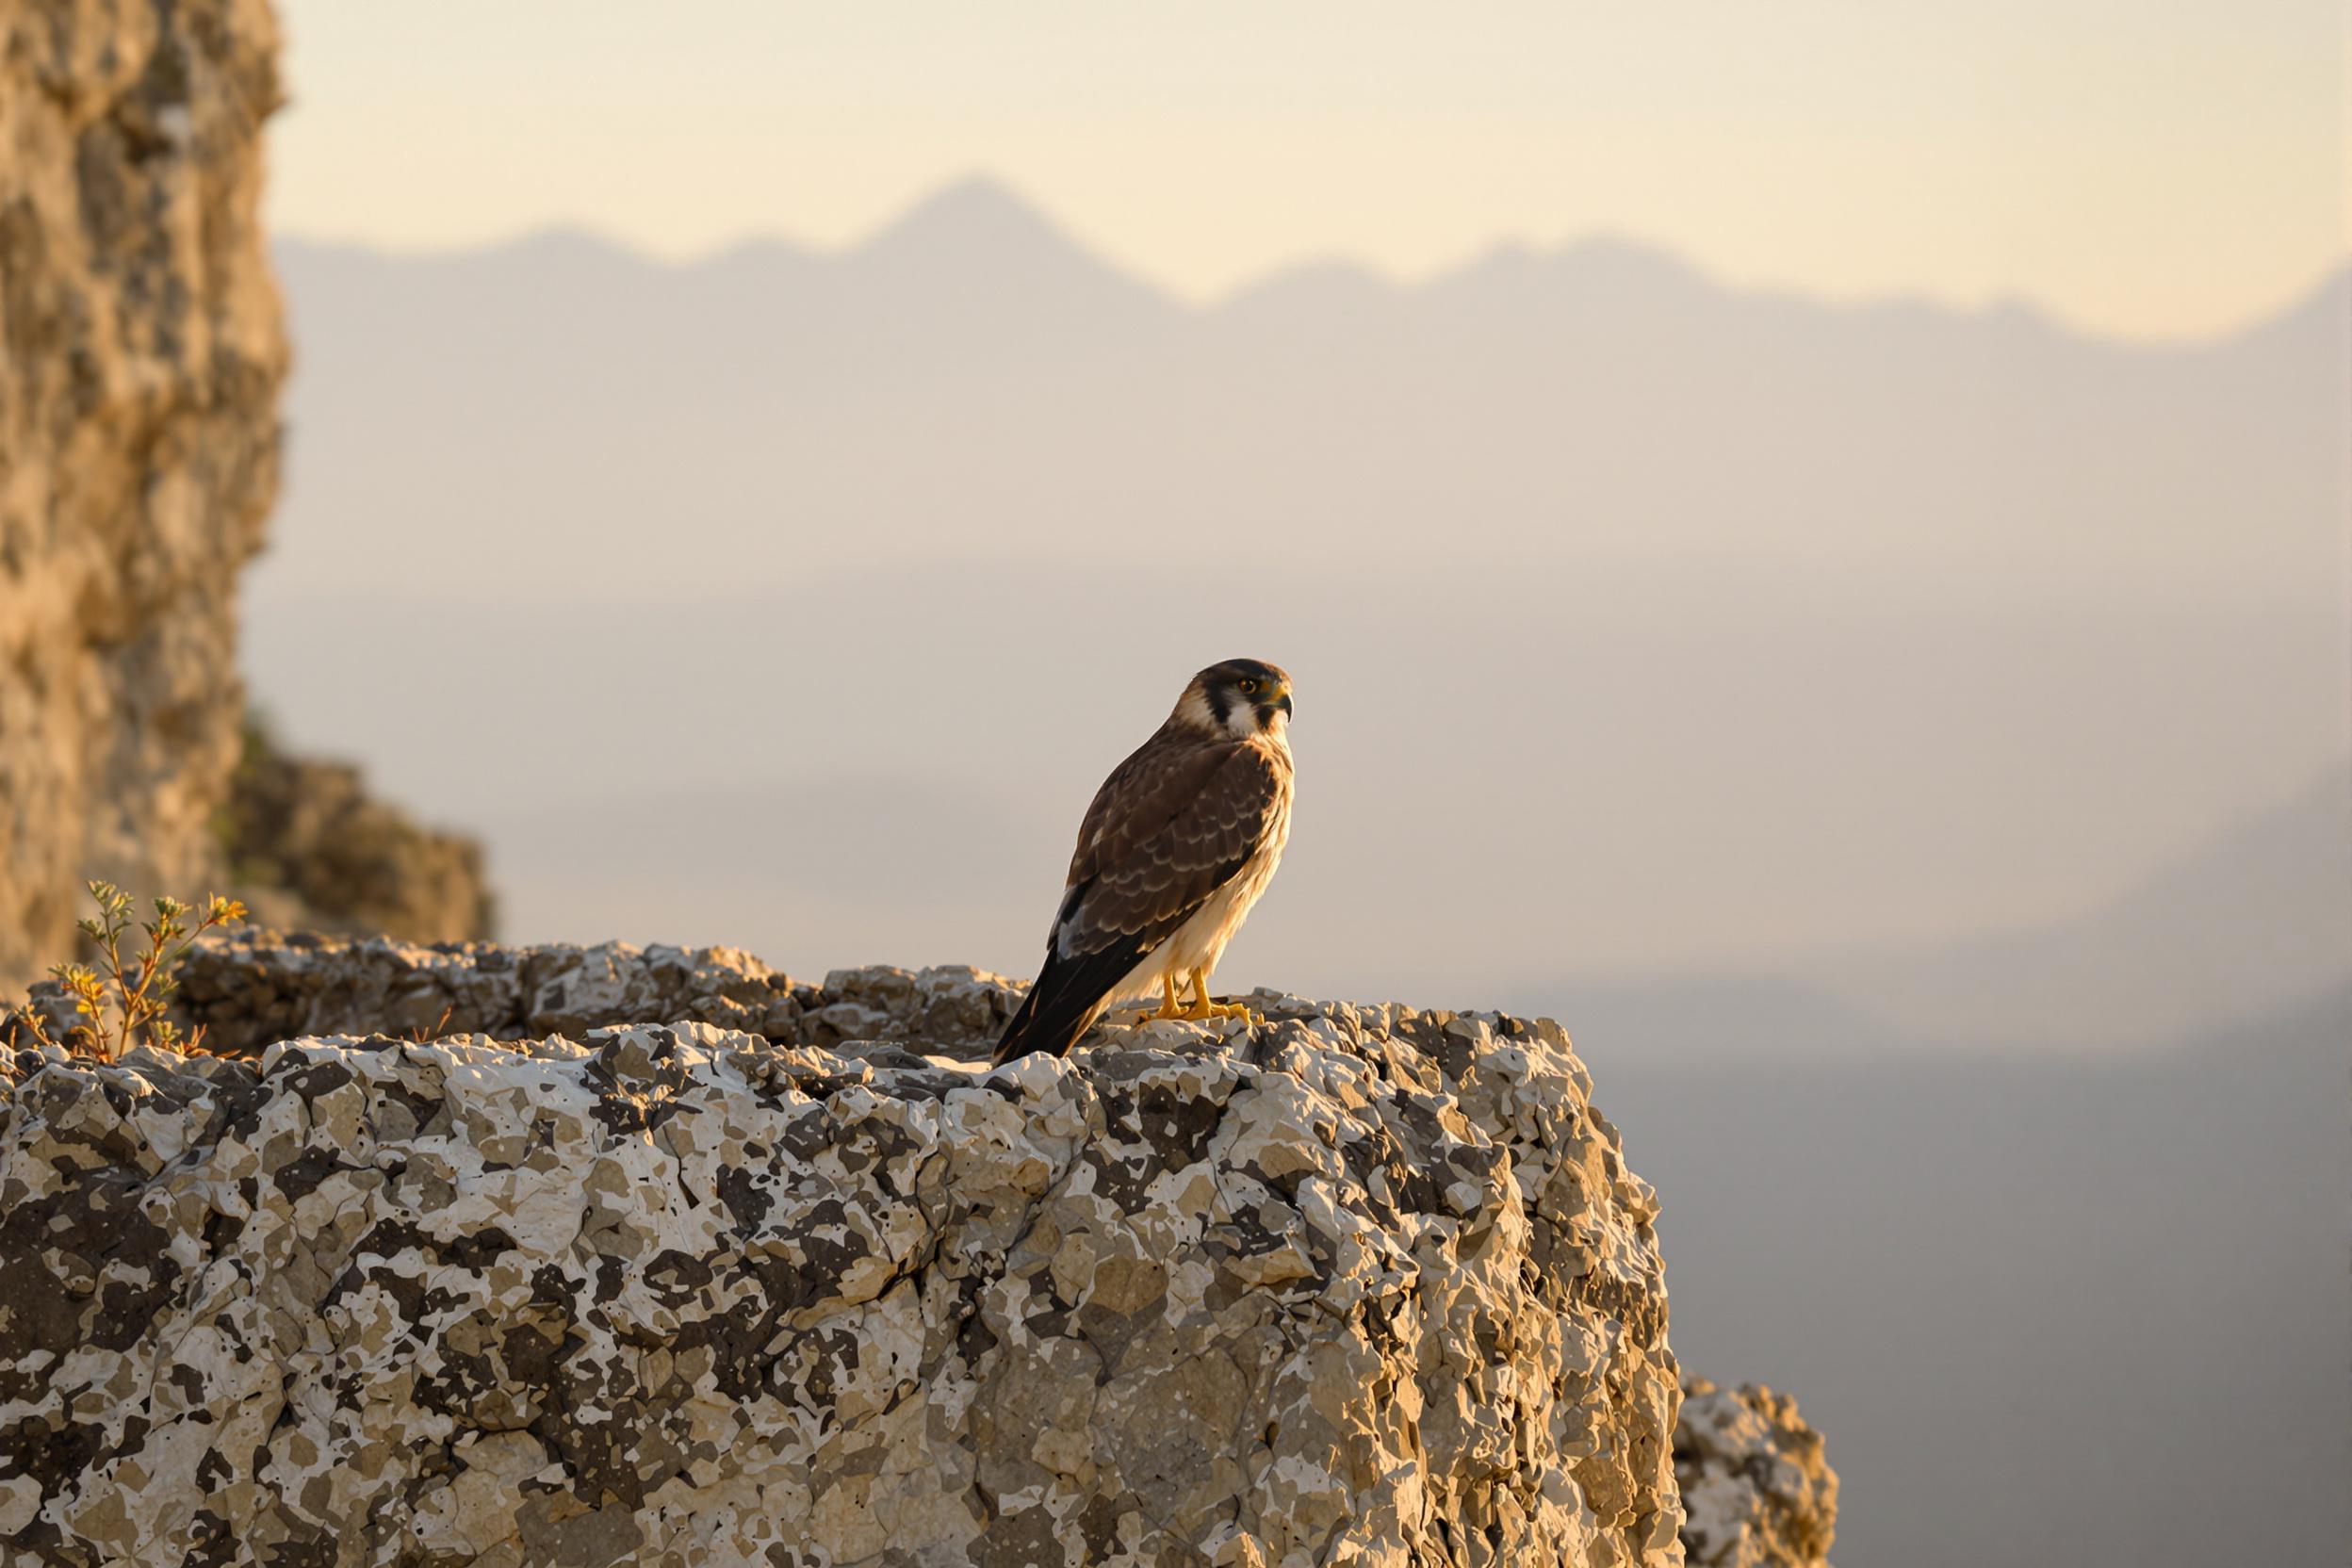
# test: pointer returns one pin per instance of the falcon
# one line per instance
(1179, 843)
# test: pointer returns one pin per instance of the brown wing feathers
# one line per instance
(1169, 848)
(1175, 821)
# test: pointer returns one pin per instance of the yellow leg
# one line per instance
(1203, 1008)
(1169, 1007)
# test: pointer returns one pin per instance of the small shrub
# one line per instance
(121, 1001)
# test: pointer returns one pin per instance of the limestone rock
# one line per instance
(1755, 1481)
(251, 989)
(141, 354)
(1359, 1285)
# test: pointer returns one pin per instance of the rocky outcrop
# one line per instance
(252, 989)
(1755, 1481)
(141, 354)
(1358, 1284)
(308, 847)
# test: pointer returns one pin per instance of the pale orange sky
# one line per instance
(2158, 169)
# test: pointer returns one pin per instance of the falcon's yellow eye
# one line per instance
(1248, 688)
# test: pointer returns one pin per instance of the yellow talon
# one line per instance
(1169, 1007)
(1202, 1009)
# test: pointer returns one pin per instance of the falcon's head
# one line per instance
(1240, 697)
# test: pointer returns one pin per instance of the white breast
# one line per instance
(1200, 942)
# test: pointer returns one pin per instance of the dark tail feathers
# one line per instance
(1065, 1002)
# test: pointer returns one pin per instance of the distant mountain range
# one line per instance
(971, 381)
(1647, 630)
(2256, 923)
(1907, 747)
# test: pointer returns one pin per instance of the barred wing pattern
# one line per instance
(1173, 824)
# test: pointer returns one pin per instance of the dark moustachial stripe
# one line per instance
(1220, 698)
(1219, 680)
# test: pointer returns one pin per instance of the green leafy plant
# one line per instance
(121, 1001)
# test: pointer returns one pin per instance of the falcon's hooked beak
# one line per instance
(1279, 703)
(1240, 698)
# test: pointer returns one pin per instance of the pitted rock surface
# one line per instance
(252, 989)
(1755, 1479)
(1356, 1285)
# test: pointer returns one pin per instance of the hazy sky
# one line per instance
(2152, 168)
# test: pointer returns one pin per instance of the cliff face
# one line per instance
(141, 354)
(1361, 1284)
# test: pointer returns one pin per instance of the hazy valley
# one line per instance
(1906, 747)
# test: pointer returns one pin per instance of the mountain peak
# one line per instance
(977, 213)
(977, 235)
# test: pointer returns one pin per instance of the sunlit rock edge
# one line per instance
(658, 1255)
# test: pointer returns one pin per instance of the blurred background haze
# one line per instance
(1811, 545)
